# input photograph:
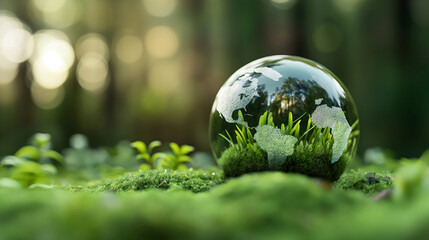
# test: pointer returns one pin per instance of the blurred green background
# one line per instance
(150, 69)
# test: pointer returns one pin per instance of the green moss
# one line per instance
(305, 160)
(237, 161)
(269, 205)
(315, 163)
(194, 181)
(366, 182)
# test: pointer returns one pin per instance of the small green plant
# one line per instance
(177, 159)
(146, 154)
(31, 164)
(40, 151)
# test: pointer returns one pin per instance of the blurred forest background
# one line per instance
(150, 69)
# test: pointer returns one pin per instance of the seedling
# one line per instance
(40, 151)
(177, 159)
(145, 153)
(30, 164)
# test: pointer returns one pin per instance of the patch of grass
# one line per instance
(312, 154)
(366, 182)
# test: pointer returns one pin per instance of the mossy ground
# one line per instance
(194, 181)
(270, 205)
(203, 204)
(236, 162)
(366, 182)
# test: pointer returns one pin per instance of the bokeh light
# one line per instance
(56, 13)
(47, 98)
(92, 43)
(165, 78)
(129, 49)
(48, 5)
(283, 4)
(52, 58)
(16, 45)
(160, 8)
(327, 37)
(347, 5)
(92, 72)
(161, 42)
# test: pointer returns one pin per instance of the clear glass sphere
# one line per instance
(284, 113)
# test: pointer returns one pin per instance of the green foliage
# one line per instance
(366, 182)
(146, 154)
(31, 164)
(177, 159)
(41, 150)
(409, 179)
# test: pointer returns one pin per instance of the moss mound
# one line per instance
(270, 205)
(236, 162)
(366, 182)
(194, 181)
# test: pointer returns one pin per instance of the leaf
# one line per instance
(153, 145)
(9, 183)
(249, 136)
(143, 156)
(49, 169)
(145, 167)
(283, 128)
(263, 119)
(42, 140)
(289, 124)
(30, 152)
(167, 162)
(181, 167)
(12, 161)
(297, 126)
(270, 120)
(28, 173)
(140, 146)
(175, 148)
(228, 140)
(186, 149)
(183, 159)
(157, 156)
(355, 124)
(40, 186)
(53, 155)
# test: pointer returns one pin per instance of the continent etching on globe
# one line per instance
(240, 93)
(277, 145)
(235, 97)
(269, 73)
(334, 118)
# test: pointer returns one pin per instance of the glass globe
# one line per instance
(284, 113)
